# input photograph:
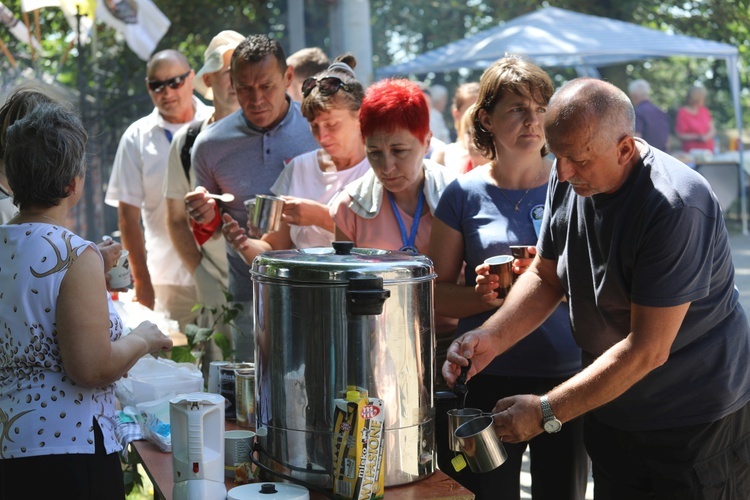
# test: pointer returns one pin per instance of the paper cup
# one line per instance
(119, 276)
(237, 448)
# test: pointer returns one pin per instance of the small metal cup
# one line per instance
(481, 446)
(520, 251)
(266, 213)
(502, 266)
(457, 417)
(250, 207)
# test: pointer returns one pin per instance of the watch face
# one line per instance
(552, 425)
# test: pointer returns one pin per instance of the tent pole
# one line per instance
(734, 84)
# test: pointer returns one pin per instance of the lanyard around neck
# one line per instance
(408, 242)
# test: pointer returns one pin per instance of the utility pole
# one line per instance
(296, 14)
(351, 32)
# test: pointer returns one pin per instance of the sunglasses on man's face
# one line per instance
(158, 86)
(327, 86)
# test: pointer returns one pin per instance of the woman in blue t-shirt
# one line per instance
(481, 215)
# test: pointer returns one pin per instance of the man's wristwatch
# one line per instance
(550, 423)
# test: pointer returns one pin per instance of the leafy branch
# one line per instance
(198, 338)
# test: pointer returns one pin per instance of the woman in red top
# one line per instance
(693, 125)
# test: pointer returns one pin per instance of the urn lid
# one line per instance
(339, 263)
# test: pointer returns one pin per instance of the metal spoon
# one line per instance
(225, 197)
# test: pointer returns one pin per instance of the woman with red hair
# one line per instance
(391, 206)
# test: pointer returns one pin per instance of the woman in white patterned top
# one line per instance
(61, 343)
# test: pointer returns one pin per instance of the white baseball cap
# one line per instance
(213, 59)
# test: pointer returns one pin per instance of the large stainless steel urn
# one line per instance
(313, 341)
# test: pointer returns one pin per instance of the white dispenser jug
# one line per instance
(197, 422)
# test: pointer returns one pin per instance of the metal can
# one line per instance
(244, 388)
(226, 384)
(214, 383)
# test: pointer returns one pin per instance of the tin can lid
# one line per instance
(326, 265)
(236, 366)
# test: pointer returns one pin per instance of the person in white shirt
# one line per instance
(438, 102)
(136, 188)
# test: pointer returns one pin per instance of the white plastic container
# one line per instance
(165, 386)
(152, 379)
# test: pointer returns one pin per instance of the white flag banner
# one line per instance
(32, 5)
(70, 9)
(16, 27)
(140, 21)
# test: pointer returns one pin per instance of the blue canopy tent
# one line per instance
(553, 37)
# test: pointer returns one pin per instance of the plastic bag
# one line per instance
(151, 379)
(153, 429)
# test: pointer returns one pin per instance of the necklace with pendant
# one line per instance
(518, 203)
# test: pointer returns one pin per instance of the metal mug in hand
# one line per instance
(266, 212)
(480, 444)
(502, 266)
(520, 252)
(456, 418)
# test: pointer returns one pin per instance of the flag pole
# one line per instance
(31, 36)
(36, 25)
(7, 53)
(65, 54)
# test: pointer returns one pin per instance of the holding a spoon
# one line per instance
(224, 197)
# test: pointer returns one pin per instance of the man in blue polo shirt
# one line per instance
(244, 154)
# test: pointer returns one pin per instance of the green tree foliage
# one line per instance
(401, 29)
(110, 76)
(411, 27)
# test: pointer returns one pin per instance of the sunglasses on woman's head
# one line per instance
(158, 86)
(327, 86)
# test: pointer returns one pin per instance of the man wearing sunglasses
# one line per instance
(244, 154)
(161, 281)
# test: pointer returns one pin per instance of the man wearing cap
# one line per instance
(244, 155)
(136, 188)
(205, 259)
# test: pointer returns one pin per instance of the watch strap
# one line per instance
(546, 408)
